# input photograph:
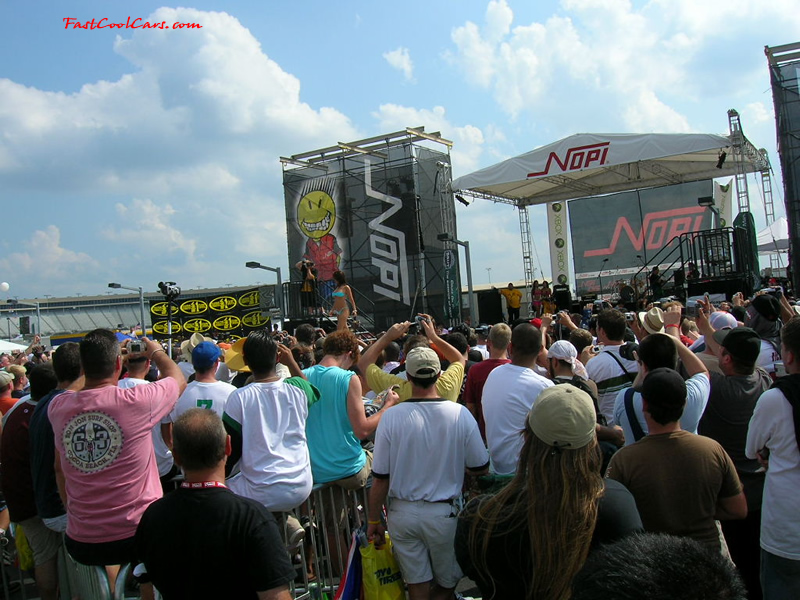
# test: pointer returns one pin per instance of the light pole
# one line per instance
(277, 270)
(16, 302)
(139, 289)
(446, 237)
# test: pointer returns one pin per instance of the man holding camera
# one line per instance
(448, 384)
(308, 290)
(104, 462)
(608, 369)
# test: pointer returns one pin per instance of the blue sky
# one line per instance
(141, 156)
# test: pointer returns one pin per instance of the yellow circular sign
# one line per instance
(249, 299)
(255, 319)
(162, 327)
(222, 303)
(316, 214)
(194, 307)
(160, 309)
(197, 325)
(227, 322)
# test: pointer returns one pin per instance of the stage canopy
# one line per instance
(775, 237)
(593, 164)
(6, 346)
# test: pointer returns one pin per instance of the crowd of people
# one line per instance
(595, 455)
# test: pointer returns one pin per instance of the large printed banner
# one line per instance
(222, 315)
(378, 221)
(614, 236)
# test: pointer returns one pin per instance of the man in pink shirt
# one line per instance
(105, 467)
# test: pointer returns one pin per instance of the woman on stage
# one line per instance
(341, 296)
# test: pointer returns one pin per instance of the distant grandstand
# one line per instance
(67, 319)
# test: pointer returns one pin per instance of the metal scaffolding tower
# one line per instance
(527, 252)
(738, 148)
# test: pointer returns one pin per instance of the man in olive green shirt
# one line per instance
(447, 386)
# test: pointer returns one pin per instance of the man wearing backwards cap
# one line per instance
(204, 392)
(422, 448)
(565, 368)
(681, 482)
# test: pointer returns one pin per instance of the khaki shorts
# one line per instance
(44, 542)
(335, 496)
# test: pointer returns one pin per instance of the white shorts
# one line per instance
(423, 535)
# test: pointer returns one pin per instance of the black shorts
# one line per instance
(118, 552)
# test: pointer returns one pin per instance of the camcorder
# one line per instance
(169, 289)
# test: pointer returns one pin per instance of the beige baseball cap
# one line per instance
(563, 416)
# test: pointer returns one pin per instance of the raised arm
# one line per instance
(449, 353)
(787, 312)
(704, 326)
(362, 425)
(165, 365)
(285, 357)
(372, 353)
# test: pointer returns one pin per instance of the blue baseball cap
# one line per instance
(204, 355)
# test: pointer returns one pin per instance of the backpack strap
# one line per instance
(789, 386)
(638, 432)
(631, 376)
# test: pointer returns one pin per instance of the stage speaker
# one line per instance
(490, 308)
(562, 297)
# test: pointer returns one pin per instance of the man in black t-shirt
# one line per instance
(203, 541)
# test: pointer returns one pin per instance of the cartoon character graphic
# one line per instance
(316, 215)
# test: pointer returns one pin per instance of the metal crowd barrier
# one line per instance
(84, 582)
(327, 540)
(319, 560)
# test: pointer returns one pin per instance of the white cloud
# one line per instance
(468, 139)
(757, 112)
(646, 66)
(187, 139)
(42, 257)
(211, 97)
(400, 59)
(147, 230)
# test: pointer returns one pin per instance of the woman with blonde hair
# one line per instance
(341, 296)
(529, 540)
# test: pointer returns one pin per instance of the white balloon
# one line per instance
(4, 286)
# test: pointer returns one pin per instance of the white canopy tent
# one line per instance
(775, 237)
(6, 346)
(589, 164)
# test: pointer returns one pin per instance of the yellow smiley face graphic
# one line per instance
(316, 214)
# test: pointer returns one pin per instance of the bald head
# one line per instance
(199, 440)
